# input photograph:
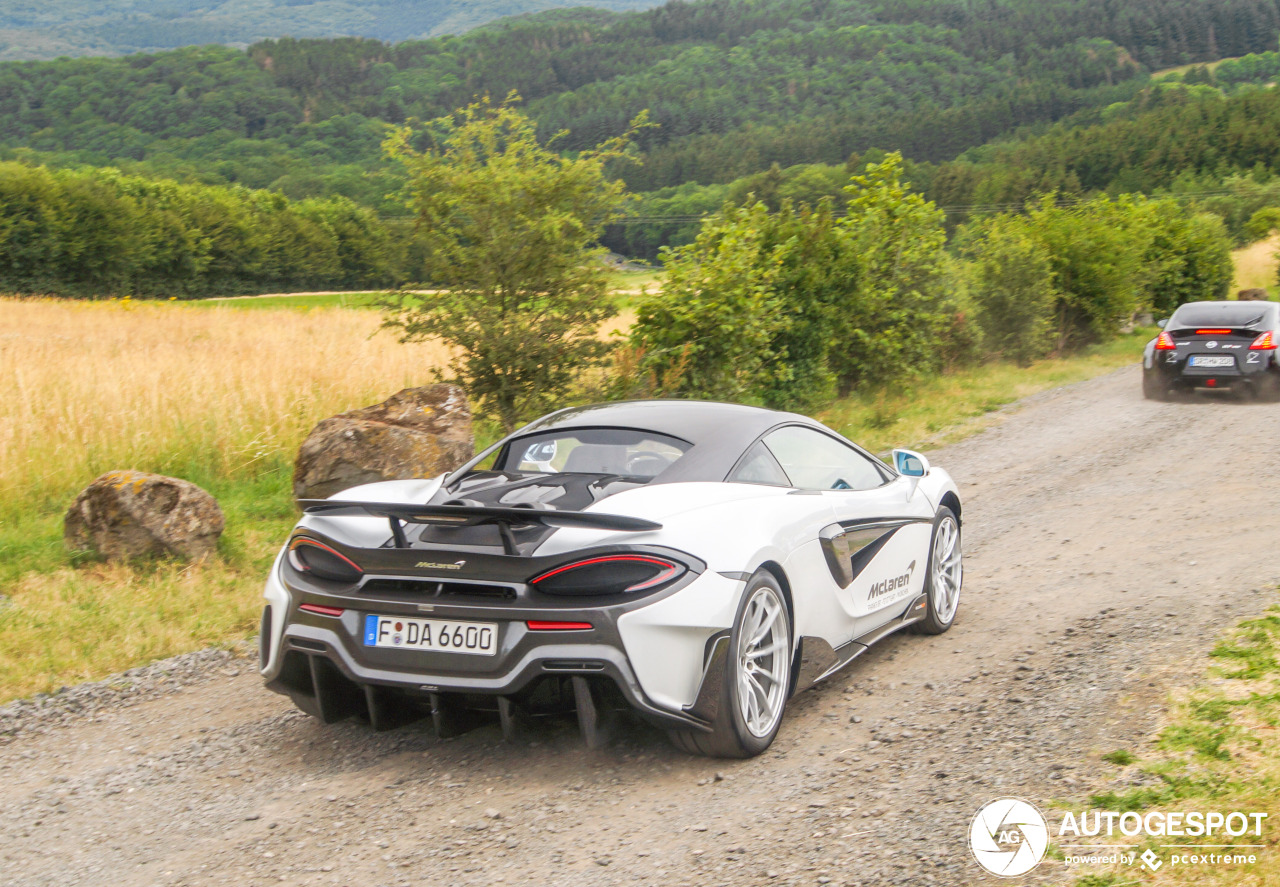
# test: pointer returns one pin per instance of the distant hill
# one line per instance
(35, 30)
(776, 97)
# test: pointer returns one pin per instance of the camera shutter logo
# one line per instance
(1008, 837)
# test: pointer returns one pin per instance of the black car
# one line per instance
(1215, 345)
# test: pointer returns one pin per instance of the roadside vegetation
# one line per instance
(223, 397)
(801, 267)
(1217, 751)
(869, 317)
(220, 397)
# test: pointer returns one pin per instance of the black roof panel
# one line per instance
(697, 421)
(720, 432)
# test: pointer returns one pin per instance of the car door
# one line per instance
(875, 550)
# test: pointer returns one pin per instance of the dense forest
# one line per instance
(734, 86)
(96, 232)
(991, 102)
(120, 27)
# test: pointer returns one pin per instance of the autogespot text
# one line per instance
(1194, 824)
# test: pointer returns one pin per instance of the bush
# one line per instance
(1012, 289)
(785, 308)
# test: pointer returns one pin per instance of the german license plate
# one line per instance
(440, 635)
(1211, 360)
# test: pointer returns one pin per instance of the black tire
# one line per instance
(731, 735)
(1153, 387)
(941, 610)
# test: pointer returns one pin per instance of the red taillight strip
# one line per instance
(1265, 342)
(303, 540)
(321, 610)
(668, 568)
(1164, 342)
(1213, 332)
(541, 625)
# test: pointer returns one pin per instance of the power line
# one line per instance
(957, 209)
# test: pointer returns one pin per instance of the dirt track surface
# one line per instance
(1108, 540)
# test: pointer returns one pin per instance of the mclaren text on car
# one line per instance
(698, 563)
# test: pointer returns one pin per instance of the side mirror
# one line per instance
(910, 463)
(1161, 322)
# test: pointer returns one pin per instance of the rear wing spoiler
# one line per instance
(399, 514)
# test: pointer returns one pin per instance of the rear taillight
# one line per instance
(1213, 332)
(1265, 342)
(321, 610)
(309, 556)
(543, 625)
(609, 574)
(1164, 342)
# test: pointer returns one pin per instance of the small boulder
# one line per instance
(1252, 295)
(417, 433)
(128, 514)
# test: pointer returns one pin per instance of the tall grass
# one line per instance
(95, 386)
(941, 409)
(220, 396)
(1255, 265)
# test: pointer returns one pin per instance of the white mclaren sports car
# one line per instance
(698, 563)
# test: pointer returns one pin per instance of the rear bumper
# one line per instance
(1180, 375)
(653, 649)
(321, 675)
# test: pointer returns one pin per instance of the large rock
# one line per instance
(419, 432)
(128, 514)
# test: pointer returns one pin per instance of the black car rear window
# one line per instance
(1214, 314)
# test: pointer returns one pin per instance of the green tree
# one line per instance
(1011, 286)
(711, 329)
(1263, 222)
(509, 228)
(897, 237)
(780, 308)
(1099, 253)
(1189, 257)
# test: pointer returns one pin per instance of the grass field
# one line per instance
(1217, 752)
(1182, 69)
(1256, 265)
(292, 301)
(223, 397)
(944, 409)
(624, 284)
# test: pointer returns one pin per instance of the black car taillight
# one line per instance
(610, 574)
(309, 556)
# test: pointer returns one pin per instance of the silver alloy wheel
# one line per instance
(763, 661)
(948, 570)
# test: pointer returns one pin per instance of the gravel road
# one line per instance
(1108, 539)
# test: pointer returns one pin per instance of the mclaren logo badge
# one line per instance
(885, 586)
(428, 565)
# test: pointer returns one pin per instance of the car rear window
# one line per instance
(1213, 314)
(610, 451)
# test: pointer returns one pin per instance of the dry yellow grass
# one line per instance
(1256, 265)
(95, 386)
(219, 395)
